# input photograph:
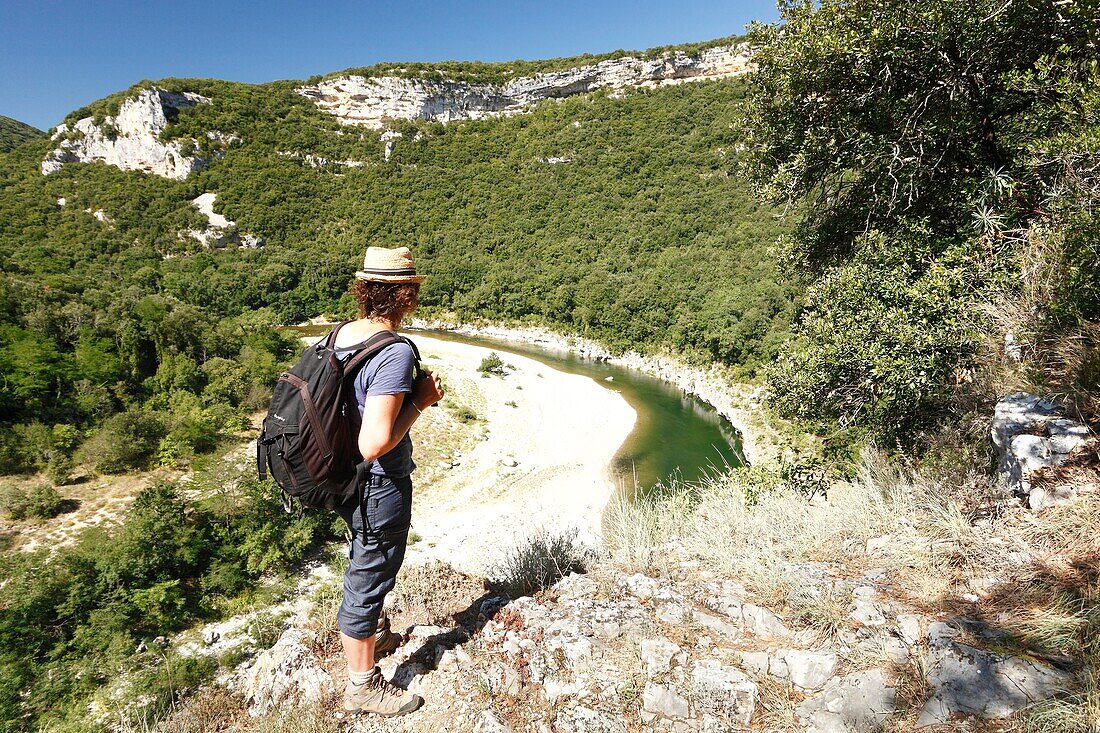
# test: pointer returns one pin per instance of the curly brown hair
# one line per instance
(385, 301)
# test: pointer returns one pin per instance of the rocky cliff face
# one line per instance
(358, 100)
(130, 140)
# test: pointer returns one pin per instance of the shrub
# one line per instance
(126, 440)
(59, 467)
(39, 502)
(493, 365)
(539, 561)
(462, 413)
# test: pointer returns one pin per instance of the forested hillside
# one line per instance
(14, 132)
(125, 343)
(619, 218)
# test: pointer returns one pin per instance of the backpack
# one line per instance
(309, 440)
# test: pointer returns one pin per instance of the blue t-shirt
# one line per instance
(390, 371)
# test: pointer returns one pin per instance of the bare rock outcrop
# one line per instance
(219, 232)
(131, 139)
(1032, 436)
(372, 101)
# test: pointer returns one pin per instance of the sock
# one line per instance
(359, 678)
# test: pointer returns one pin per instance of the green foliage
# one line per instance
(881, 337)
(74, 616)
(14, 133)
(126, 440)
(40, 501)
(921, 137)
(493, 365)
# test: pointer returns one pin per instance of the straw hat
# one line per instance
(383, 265)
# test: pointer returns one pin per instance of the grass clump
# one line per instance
(538, 561)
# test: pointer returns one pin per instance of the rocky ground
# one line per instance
(610, 651)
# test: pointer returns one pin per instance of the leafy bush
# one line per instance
(493, 365)
(41, 501)
(921, 181)
(126, 440)
(881, 339)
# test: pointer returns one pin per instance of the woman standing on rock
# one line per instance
(390, 398)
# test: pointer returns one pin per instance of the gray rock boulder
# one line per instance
(724, 690)
(972, 681)
(586, 720)
(660, 701)
(658, 655)
(1031, 434)
(287, 673)
(855, 703)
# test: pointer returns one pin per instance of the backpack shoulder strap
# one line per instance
(369, 349)
(412, 345)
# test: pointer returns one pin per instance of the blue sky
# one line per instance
(59, 55)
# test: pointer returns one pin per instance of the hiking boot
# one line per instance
(378, 696)
(386, 643)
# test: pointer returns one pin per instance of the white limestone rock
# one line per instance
(1030, 435)
(220, 232)
(490, 722)
(287, 673)
(586, 720)
(971, 681)
(130, 140)
(372, 102)
(660, 701)
(724, 690)
(658, 655)
(809, 670)
(851, 704)
(805, 670)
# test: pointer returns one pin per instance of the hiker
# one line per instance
(390, 398)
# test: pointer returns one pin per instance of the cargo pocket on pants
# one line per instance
(387, 505)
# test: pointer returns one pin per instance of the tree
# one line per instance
(878, 110)
(904, 135)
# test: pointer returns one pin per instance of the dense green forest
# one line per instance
(645, 237)
(14, 133)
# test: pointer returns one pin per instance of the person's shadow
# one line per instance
(467, 625)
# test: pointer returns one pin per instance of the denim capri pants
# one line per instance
(379, 525)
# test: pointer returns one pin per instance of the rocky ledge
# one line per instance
(219, 232)
(612, 652)
(372, 101)
(131, 140)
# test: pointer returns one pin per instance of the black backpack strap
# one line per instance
(416, 351)
(261, 457)
(369, 349)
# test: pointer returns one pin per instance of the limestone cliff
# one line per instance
(131, 139)
(371, 101)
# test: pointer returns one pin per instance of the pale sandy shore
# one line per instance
(561, 432)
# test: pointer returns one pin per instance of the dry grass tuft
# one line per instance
(434, 593)
(211, 710)
(775, 706)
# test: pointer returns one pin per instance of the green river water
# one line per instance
(675, 435)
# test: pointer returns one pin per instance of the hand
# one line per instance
(428, 390)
